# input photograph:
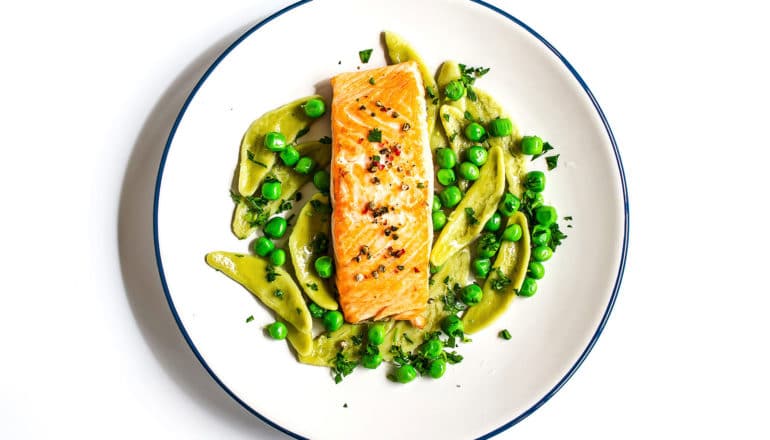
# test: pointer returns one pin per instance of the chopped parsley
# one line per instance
(501, 282)
(284, 206)
(364, 55)
(556, 236)
(341, 367)
(326, 140)
(471, 94)
(251, 158)
(278, 293)
(552, 161)
(356, 339)
(469, 116)
(546, 148)
(271, 274)
(235, 196)
(446, 116)
(451, 300)
(371, 80)
(375, 135)
(429, 90)
(319, 244)
(249, 319)
(568, 218)
(472, 220)
(420, 185)
(505, 334)
(301, 133)
(488, 243)
(312, 286)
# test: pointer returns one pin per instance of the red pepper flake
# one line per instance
(416, 270)
(396, 150)
(360, 140)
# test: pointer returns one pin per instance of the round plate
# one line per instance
(294, 53)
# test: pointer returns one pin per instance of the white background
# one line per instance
(88, 91)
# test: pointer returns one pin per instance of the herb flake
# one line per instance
(552, 161)
(364, 55)
(375, 135)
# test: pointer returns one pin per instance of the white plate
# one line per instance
(293, 54)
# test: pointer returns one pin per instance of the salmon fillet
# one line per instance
(381, 188)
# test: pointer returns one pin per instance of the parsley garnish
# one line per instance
(451, 300)
(326, 140)
(278, 293)
(429, 90)
(284, 206)
(505, 334)
(249, 319)
(472, 220)
(552, 161)
(546, 148)
(271, 275)
(250, 156)
(446, 116)
(556, 237)
(469, 116)
(501, 281)
(371, 80)
(319, 244)
(420, 185)
(364, 55)
(453, 357)
(235, 196)
(568, 218)
(341, 367)
(375, 135)
(356, 339)
(301, 133)
(489, 243)
(312, 286)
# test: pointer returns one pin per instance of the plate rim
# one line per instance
(618, 279)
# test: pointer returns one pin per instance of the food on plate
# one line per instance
(410, 224)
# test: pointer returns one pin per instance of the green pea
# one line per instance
(469, 171)
(451, 196)
(277, 330)
(446, 177)
(432, 348)
(487, 245)
(371, 361)
(271, 190)
(263, 246)
(541, 235)
(509, 204)
(405, 373)
(471, 294)
(304, 165)
(494, 223)
(536, 270)
(333, 320)
(481, 267)
(454, 90)
(528, 287)
(315, 108)
(289, 156)
(501, 127)
(452, 326)
(535, 181)
(275, 227)
(316, 311)
(439, 220)
(477, 155)
(376, 334)
(542, 253)
(275, 141)
(437, 368)
(324, 266)
(475, 131)
(322, 180)
(446, 158)
(531, 145)
(513, 232)
(278, 257)
(546, 215)
(436, 203)
(535, 199)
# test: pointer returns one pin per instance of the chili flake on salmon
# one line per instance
(381, 192)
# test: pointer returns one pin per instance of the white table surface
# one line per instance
(89, 349)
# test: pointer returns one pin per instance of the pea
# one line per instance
(275, 141)
(324, 266)
(432, 349)
(376, 334)
(316, 311)
(452, 326)
(437, 368)
(471, 294)
(315, 108)
(501, 127)
(439, 220)
(528, 287)
(513, 232)
(535, 199)
(546, 215)
(542, 253)
(333, 320)
(278, 257)
(322, 180)
(277, 330)
(477, 155)
(275, 227)
(271, 190)
(451, 196)
(475, 131)
(304, 165)
(531, 145)
(289, 156)
(536, 270)
(405, 373)
(481, 267)
(371, 361)
(494, 223)
(487, 246)
(541, 235)
(469, 171)
(446, 177)
(263, 246)
(446, 158)
(436, 203)
(509, 204)
(454, 90)
(535, 181)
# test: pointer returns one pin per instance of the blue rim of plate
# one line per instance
(618, 278)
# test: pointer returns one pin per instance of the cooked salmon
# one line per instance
(381, 188)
